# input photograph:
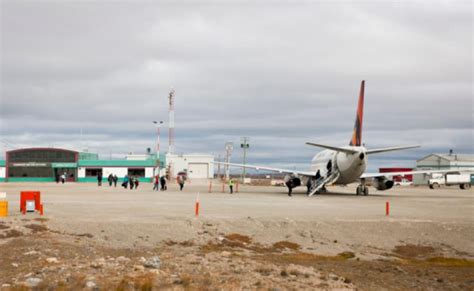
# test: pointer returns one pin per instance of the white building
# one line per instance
(455, 162)
(197, 166)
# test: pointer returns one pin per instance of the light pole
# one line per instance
(158, 127)
(245, 145)
(229, 146)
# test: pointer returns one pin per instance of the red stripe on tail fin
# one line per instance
(357, 134)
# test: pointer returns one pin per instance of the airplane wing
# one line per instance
(302, 173)
(391, 174)
(384, 150)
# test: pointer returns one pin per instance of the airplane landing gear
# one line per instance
(362, 189)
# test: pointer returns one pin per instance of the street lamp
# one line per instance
(158, 125)
(244, 145)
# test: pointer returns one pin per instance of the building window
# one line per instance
(93, 172)
(137, 172)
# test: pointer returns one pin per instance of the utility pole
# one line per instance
(158, 127)
(229, 146)
(245, 145)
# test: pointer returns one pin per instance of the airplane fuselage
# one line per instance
(350, 166)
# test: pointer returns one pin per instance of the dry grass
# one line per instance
(281, 245)
(450, 262)
(36, 227)
(347, 255)
(413, 251)
(238, 238)
(11, 233)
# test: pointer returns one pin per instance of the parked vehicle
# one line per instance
(404, 182)
(438, 180)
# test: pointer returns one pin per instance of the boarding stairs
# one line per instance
(318, 184)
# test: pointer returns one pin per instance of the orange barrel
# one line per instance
(3, 208)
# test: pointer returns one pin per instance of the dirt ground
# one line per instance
(101, 238)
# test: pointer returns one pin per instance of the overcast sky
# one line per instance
(281, 74)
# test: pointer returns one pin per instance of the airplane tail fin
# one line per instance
(357, 134)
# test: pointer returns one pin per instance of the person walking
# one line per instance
(99, 179)
(125, 182)
(115, 179)
(136, 183)
(63, 178)
(132, 182)
(181, 180)
(329, 168)
(156, 183)
(163, 183)
(231, 186)
(110, 179)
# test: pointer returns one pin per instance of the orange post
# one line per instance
(41, 210)
(223, 187)
(196, 208)
(387, 208)
(210, 186)
(237, 187)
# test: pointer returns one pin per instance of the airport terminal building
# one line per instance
(46, 164)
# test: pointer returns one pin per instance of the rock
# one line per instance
(96, 265)
(155, 271)
(6, 285)
(91, 285)
(28, 275)
(52, 260)
(138, 268)
(153, 263)
(33, 282)
(14, 265)
(225, 254)
(142, 260)
(31, 253)
(122, 259)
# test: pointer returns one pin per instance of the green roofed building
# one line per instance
(47, 164)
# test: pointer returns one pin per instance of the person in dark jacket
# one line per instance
(115, 179)
(163, 183)
(132, 182)
(110, 178)
(99, 179)
(125, 182)
(136, 182)
(181, 179)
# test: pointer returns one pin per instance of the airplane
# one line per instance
(340, 165)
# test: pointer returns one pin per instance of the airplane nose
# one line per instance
(361, 156)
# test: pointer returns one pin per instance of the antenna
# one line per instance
(171, 121)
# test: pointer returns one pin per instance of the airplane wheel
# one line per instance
(359, 190)
(366, 191)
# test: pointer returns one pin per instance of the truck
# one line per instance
(438, 180)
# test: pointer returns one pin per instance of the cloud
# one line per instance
(281, 74)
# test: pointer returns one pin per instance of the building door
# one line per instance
(198, 170)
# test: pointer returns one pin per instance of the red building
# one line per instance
(398, 178)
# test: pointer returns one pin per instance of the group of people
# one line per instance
(61, 178)
(131, 181)
(157, 181)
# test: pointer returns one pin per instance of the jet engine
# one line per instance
(292, 180)
(382, 183)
